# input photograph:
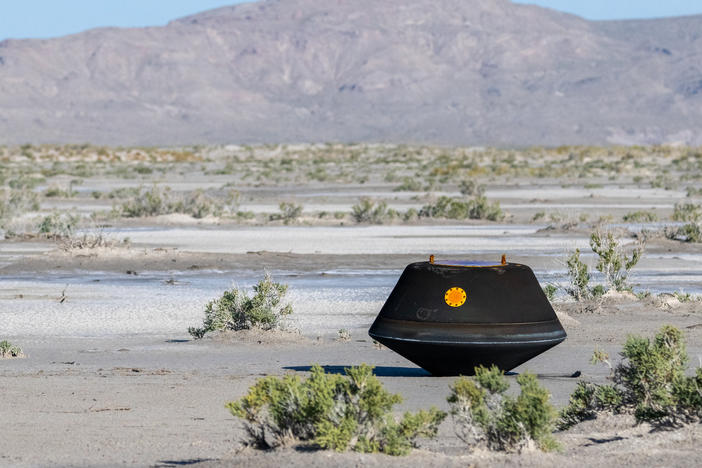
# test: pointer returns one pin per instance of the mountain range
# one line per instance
(451, 72)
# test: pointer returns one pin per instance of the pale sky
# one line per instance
(50, 18)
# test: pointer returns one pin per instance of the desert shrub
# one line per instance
(550, 291)
(650, 382)
(685, 297)
(643, 294)
(483, 413)
(393, 214)
(471, 188)
(604, 219)
(14, 202)
(235, 310)
(446, 207)
(689, 232)
(587, 401)
(578, 277)
(245, 215)
(159, 201)
(537, 216)
(87, 241)
(640, 217)
(8, 350)
(687, 212)
(143, 170)
(196, 203)
(452, 208)
(147, 202)
(410, 215)
(55, 191)
(612, 262)
(343, 335)
(25, 182)
(289, 212)
(652, 376)
(124, 192)
(409, 184)
(369, 211)
(58, 225)
(662, 181)
(481, 208)
(332, 412)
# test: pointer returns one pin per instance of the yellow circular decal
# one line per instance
(455, 297)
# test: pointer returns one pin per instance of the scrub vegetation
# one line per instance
(651, 382)
(550, 291)
(161, 200)
(330, 411)
(235, 310)
(370, 211)
(613, 262)
(687, 212)
(8, 350)
(640, 217)
(62, 228)
(289, 213)
(412, 173)
(690, 232)
(484, 414)
(452, 208)
(58, 225)
(16, 202)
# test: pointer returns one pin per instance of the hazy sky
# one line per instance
(49, 18)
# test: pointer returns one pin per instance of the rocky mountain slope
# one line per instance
(479, 72)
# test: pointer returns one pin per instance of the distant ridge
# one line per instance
(473, 72)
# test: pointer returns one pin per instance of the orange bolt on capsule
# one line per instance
(504, 259)
(431, 259)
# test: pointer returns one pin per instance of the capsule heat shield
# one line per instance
(449, 318)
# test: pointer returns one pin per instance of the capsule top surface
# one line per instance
(466, 263)
(468, 292)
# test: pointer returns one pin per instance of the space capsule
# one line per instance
(450, 316)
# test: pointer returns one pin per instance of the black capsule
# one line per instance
(450, 316)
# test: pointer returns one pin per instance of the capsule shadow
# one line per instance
(379, 371)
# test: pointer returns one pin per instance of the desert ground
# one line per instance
(101, 295)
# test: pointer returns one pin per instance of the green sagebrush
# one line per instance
(687, 212)
(640, 217)
(612, 262)
(370, 211)
(650, 382)
(16, 202)
(452, 208)
(550, 292)
(484, 413)
(160, 201)
(58, 225)
(690, 232)
(235, 310)
(289, 213)
(333, 412)
(8, 350)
